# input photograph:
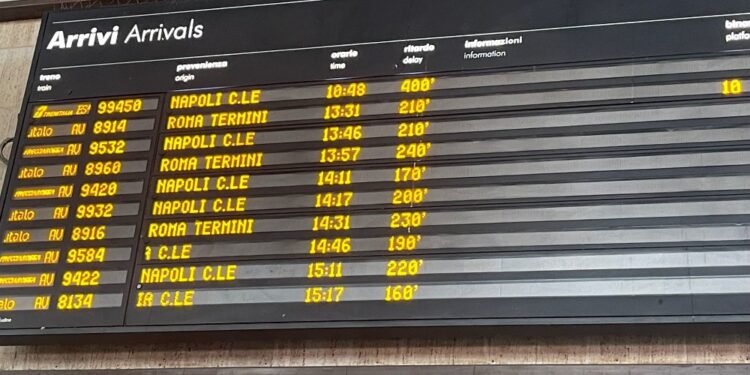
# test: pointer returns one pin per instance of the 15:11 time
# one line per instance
(323, 270)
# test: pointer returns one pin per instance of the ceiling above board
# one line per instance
(12, 10)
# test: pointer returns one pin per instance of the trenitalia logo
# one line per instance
(97, 37)
(40, 111)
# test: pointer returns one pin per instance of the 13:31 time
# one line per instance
(339, 111)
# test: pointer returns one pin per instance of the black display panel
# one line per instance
(232, 165)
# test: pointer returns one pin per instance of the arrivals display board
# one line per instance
(239, 165)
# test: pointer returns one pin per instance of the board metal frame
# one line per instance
(378, 329)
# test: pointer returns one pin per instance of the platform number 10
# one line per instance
(731, 87)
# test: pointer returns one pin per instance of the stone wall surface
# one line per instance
(17, 41)
(494, 350)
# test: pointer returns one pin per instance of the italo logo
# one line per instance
(137, 34)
